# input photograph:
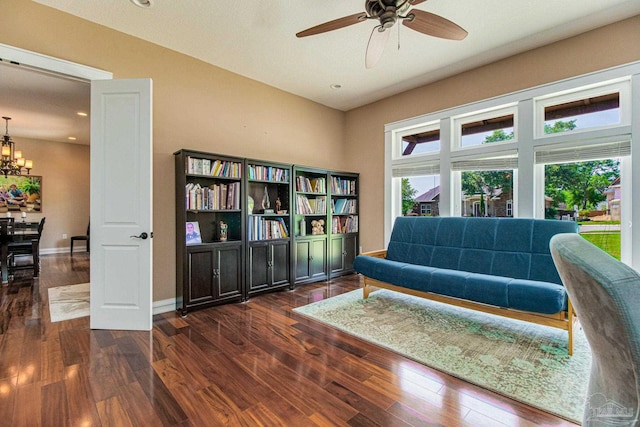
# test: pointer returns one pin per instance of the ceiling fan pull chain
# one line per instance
(398, 37)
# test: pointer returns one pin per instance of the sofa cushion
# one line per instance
(535, 296)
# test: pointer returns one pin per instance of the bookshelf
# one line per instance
(311, 224)
(344, 237)
(209, 262)
(247, 226)
(268, 226)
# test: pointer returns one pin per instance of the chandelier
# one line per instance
(12, 161)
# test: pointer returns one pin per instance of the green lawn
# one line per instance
(608, 241)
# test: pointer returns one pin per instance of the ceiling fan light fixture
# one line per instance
(142, 3)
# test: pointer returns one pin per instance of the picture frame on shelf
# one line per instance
(193, 236)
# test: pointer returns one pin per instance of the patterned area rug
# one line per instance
(522, 361)
(68, 302)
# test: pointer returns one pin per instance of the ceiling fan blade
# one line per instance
(333, 25)
(434, 25)
(415, 2)
(377, 42)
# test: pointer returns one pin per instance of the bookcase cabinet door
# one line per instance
(344, 249)
(280, 262)
(229, 271)
(311, 260)
(258, 266)
(201, 278)
(268, 265)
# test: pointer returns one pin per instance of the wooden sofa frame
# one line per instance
(562, 320)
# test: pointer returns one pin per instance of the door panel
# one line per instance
(258, 266)
(280, 263)
(318, 261)
(121, 203)
(201, 278)
(229, 271)
(303, 262)
(336, 256)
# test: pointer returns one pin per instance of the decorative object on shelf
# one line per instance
(303, 227)
(278, 205)
(317, 226)
(24, 216)
(12, 161)
(266, 203)
(250, 204)
(223, 231)
(193, 233)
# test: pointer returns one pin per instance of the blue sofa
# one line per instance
(497, 265)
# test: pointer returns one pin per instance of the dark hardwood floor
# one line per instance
(247, 364)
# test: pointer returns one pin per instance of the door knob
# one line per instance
(142, 236)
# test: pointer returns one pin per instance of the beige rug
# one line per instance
(69, 302)
(520, 360)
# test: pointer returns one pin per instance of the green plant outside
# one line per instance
(607, 241)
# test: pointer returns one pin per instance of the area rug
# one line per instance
(519, 360)
(69, 302)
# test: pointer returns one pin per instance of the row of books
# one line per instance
(214, 197)
(266, 229)
(342, 186)
(306, 206)
(344, 224)
(267, 173)
(313, 185)
(344, 206)
(218, 168)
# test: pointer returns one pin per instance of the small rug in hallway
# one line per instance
(519, 360)
(69, 302)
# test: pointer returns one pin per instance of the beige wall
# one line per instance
(200, 106)
(65, 189)
(196, 105)
(595, 50)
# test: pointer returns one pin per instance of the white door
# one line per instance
(121, 203)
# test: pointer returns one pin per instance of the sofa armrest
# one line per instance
(376, 254)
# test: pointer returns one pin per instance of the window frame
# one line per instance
(528, 107)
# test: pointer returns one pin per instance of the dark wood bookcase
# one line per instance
(343, 229)
(255, 221)
(311, 200)
(268, 226)
(209, 193)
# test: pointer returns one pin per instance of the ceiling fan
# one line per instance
(388, 12)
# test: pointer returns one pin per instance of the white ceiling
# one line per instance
(256, 39)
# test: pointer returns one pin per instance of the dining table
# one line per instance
(17, 231)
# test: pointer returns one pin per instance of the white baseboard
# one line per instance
(164, 306)
(63, 250)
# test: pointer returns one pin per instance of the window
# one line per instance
(485, 128)
(421, 143)
(584, 113)
(583, 109)
(492, 157)
(486, 193)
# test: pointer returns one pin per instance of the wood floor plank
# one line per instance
(54, 408)
(28, 405)
(256, 363)
(112, 414)
(165, 405)
(80, 401)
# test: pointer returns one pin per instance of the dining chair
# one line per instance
(83, 237)
(25, 248)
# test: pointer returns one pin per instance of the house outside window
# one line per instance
(509, 208)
